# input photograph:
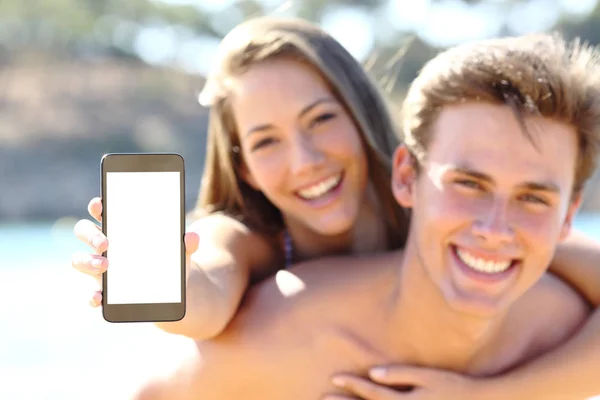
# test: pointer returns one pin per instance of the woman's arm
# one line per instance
(567, 372)
(219, 267)
(228, 256)
(577, 262)
(570, 371)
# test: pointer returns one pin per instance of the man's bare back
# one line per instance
(343, 320)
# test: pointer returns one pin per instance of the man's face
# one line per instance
(488, 207)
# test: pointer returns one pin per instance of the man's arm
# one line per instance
(577, 262)
(228, 255)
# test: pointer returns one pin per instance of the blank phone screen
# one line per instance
(143, 227)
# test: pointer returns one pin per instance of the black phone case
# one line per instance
(129, 162)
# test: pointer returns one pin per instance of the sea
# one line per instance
(53, 345)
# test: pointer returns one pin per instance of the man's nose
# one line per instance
(305, 156)
(494, 226)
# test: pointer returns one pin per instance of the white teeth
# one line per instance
(321, 188)
(478, 264)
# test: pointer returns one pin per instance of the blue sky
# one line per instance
(444, 23)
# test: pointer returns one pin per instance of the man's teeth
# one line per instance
(321, 188)
(478, 264)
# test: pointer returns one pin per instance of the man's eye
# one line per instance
(469, 183)
(529, 198)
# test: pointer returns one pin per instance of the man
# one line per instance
(501, 137)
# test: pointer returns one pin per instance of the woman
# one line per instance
(297, 167)
(243, 193)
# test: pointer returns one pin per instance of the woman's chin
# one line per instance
(333, 226)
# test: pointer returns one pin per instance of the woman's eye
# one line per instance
(262, 143)
(322, 118)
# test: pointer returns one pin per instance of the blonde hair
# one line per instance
(260, 39)
(537, 74)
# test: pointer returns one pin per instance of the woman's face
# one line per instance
(300, 147)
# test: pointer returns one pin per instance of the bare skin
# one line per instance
(298, 343)
(215, 265)
(286, 117)
(347, 317)
(230, 257)
(294, 143)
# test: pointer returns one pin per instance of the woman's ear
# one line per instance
(404, 176)
(247, 176)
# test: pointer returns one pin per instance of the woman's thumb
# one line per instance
(191, 240)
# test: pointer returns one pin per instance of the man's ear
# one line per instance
(571, 212)
(404, 176)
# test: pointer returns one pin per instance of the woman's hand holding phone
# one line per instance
(94, 264)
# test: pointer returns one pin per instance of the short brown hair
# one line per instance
(539, 74)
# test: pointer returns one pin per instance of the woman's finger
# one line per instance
(95, 209)
(90, 233)
(96, 300)
(338, 397)
(192, 241)
(366, 389)
(402, 375)
(91, 264)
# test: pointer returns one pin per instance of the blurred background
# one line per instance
(80, 78)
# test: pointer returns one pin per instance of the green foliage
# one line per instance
(113, 25)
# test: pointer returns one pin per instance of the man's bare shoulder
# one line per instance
(551, 311)
(310, 289)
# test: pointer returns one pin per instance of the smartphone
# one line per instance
(143, 218)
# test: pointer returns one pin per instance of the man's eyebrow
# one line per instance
(472, 173)
(304, 111)
(542, 186)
